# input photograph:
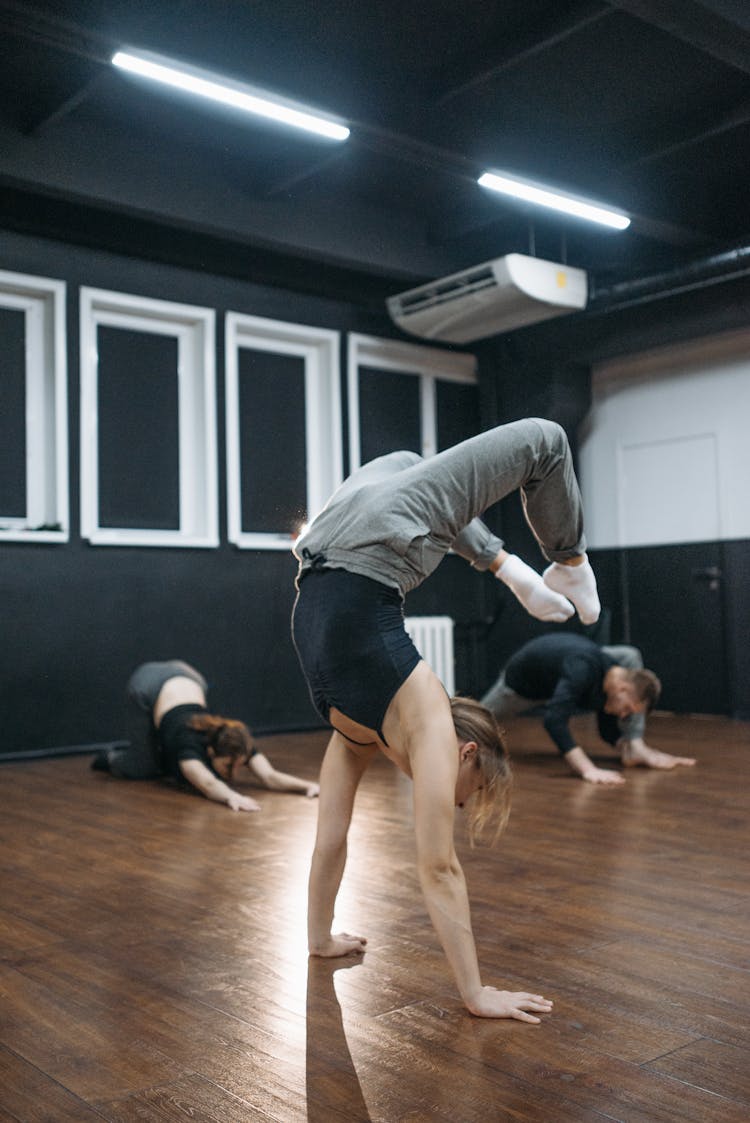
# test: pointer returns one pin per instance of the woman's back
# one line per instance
(177, 691)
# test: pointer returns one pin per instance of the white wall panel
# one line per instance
(665, 450)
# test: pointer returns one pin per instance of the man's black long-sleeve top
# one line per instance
(567, 672)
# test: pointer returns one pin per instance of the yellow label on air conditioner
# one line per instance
(562, 279)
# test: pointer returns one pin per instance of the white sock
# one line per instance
(578, 584)
(529, 588)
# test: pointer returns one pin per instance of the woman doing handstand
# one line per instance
(381, 534)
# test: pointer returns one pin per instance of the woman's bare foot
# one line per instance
(634, 754)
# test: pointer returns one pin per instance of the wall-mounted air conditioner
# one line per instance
(488, 299)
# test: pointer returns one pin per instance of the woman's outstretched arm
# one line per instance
(271, 778)
(209, 785)
(342, 769)
(430, 740)
(444, 889)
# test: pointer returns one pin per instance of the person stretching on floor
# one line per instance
(381, 534)
(567, 674)
(176, 736)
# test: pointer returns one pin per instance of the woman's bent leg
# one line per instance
(532, 456)
(139, 762)
(504, 702)
(142, 761)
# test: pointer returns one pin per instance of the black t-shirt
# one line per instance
(567, 671)
(177, 741)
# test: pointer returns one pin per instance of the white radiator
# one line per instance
(433, 638)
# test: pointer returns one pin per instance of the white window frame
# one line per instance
(194, 330)
(319, 349)
(429, 364)
(42, 302)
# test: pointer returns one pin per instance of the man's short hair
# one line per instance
(647, 687)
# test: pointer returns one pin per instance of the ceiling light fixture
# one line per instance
(556, 200)
(228, 92)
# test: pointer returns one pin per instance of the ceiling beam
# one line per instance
(27, 21)
(734, 118)
(36, 25)
(82, 221)
(309, 171)
(468, 220)
(532, 41)
(59, 109)
(725, 39)
(39, 25)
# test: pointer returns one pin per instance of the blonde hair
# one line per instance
(491, 803)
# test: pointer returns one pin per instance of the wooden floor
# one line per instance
(153, 964)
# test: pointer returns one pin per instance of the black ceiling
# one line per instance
(644, 105)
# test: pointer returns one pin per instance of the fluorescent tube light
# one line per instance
(558, 201)
(228, 92)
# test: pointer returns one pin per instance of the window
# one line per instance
(148, 422)
(402, 395)
(33, 410)
(284, 456)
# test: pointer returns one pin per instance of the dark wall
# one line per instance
(736, 587)
(687, 607)
(77, 618)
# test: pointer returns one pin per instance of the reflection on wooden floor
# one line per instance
(153, 965)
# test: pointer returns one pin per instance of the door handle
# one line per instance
(710, 573)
